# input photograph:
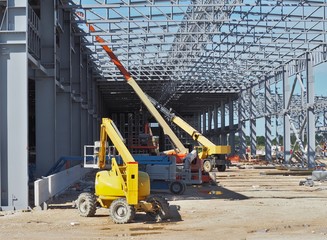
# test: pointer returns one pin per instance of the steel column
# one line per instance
(14, 108)
(231, 140)
(90, 102)
(223, 136)
(76, 93)
(199, 126)
(253, 132)
(84, 99)
(204, 122)
(268, 129)
(310, 111)
(45, 93)
(215, 123)
(63, 97)
(45, 117)
(242, 125)
(210, 121)
(63, 126)
(286, 122)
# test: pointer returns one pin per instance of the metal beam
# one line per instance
(311, 132)
(286, 122)
(242, 125)
(231, 139)
(14, 108)
(45, 88)
(253, 131)
(223, 136)
(268, 129)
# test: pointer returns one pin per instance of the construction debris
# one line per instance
(308, 182)
(319, 175)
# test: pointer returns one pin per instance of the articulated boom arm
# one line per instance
(128, 173)
(210, 147)
(167, 130)
(197, 136)
(108, 128)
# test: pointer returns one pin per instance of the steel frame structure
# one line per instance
(219, 61)
(50, 104)
(212, 46)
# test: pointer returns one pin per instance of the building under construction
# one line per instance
(220, 65)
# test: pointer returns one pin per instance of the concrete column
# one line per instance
(310, 111)
(231, 138)
(14, 108)
(268, 106)
(287, 124)
(253, 130)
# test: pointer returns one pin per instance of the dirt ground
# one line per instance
(247, 202)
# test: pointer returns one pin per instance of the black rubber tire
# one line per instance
(221, 168)
(207, 166)
(184, 187)
(120, 212)
(86, 204)
(161, 208)
(177, 187)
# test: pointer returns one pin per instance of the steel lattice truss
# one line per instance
(297, 107)
(177, 47)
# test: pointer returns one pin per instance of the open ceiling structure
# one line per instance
(178, 48)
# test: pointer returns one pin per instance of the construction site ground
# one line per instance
(248, 201)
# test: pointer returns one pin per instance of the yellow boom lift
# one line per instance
(179, 149)
(212, 155)
(123, 189)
